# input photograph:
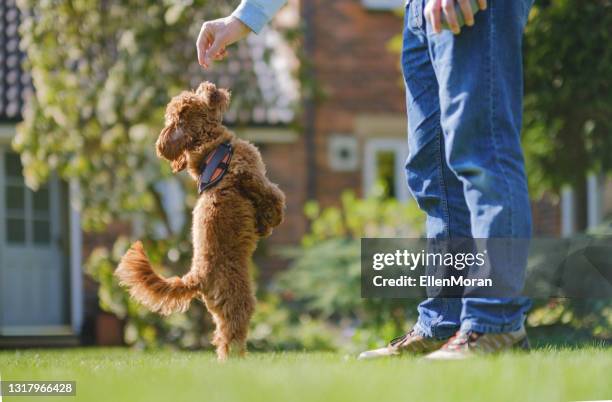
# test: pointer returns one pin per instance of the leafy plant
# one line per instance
(591, 317)
(568, 91)
(324, 279)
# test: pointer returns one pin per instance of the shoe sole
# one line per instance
(522, 345)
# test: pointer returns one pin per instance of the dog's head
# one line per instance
(191, 120)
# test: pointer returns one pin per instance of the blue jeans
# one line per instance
(466, 168)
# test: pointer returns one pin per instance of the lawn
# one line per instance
(126, 375)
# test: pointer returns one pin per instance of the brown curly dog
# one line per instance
(228, 219)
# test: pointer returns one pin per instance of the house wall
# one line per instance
(362, 98)
(359, 77)
(286, 166)
(546, 215)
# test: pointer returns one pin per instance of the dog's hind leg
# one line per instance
(220, 339)
(241, 319)
(242, 349)
(223, 350)
(232, 319)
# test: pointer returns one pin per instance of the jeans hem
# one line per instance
(429, 331)
(467, 326)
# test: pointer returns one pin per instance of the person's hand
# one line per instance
(216, 35)
(435, 8)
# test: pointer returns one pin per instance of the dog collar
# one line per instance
(215, 166)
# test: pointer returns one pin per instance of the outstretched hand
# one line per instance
(216, 35)
(435, 8)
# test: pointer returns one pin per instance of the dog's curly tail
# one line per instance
(161, 295)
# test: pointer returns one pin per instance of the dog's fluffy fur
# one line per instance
(228, 219)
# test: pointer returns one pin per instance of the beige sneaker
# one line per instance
(409, 343)
(467, 344)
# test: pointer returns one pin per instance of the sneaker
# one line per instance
(467, 344)
(410, 343)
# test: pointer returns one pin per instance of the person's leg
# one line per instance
(436, 189)
(479, 73)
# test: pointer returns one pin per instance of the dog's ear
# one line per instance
(216, 98)
(172, 141)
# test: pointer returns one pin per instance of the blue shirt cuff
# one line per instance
(251, 15)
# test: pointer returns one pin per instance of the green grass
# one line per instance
(128, 375)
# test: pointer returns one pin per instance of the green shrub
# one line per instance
(323, 280)
(582, 317)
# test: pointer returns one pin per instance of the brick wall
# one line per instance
(358, 75)
(286, 167)
(546, 216)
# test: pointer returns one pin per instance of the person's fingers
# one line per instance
(482, 4)
(199, 47)
(448, 7)
(216, 35)
(214, 49)
(432, 13)
(205, 38)
(220, 55)
(468, 13)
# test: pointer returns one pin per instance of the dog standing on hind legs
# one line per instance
(236, 206)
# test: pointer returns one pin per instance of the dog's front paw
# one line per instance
(263, 229)
(268, 219)
(262, 226)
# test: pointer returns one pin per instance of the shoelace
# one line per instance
(400, 339)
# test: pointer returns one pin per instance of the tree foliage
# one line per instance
(103, 72)
(568, 98)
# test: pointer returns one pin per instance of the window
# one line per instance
(15, 194)
(28, 213)
(384, 168)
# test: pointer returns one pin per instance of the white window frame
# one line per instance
(370, 169)
(594, 200)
